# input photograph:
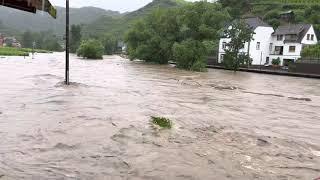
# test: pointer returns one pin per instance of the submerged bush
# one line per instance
(91, 49)
(190, 55)
(162, 122)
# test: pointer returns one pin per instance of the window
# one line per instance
(292, 49)
(221, 57)
(308, 36)
(312, 37)
(258, 45)
(279, 37)
(224, 45)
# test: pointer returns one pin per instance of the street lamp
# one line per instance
(67, 82)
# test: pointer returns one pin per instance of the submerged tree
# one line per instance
(239, 33)
(166, 34)
(91, 49)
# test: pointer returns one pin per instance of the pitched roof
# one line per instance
(293, 29)
(254, 22)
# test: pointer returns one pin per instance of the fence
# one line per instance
(309, 61)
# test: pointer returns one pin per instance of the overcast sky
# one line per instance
(116, 5)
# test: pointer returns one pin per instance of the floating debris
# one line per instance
(300, 99)
(162, 122)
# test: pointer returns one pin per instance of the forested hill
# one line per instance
(21, 21)
(270, 10)
(119, 24)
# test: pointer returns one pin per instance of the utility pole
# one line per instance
(67, 44)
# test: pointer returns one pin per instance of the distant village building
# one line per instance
(285, 43)
(12, 42)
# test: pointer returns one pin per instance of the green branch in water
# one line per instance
(162, 122)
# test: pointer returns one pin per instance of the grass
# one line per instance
(9, 51)
(162, 122)
(28, 50)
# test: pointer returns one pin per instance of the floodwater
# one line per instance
(226, 125)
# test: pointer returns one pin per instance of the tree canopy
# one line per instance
(165, 34)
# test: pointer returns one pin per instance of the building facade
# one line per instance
(286, 43)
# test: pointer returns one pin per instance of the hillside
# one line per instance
(270, 11)
(120, 24)
(22, 21)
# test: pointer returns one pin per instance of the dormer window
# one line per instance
(312, 37)
(279, 37)
(308, 36)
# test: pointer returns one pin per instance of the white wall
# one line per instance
(310, 42)
(262, 35)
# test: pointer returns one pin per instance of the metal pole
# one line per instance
(67, 43)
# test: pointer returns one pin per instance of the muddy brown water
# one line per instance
(226, 125)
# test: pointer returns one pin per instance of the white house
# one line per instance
(285, 43)
(258, 48)
(288, 42)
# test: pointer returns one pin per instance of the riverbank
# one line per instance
(268, 71)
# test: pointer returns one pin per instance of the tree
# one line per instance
(91, 49)
(110, 43)
(239, 33)
(27, 39)
(152, 38)
(75, 38)
(190, 55)
(164, 34)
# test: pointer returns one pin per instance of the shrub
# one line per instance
(311, 52)
(233, 62)
(162, 122)
(91, 49)
(190, 55)
(276, 62)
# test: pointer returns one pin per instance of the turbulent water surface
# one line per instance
(226, 125)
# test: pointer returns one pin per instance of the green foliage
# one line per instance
(239, 33)
(120, 24)
(152, 39)
(166, 34)
(91, 49)
(9, 51)
(236, 7)
(75, 38)
(110, 43)
(276, 62)
(311, 52)
(162, 122)
(190, 55)
(27, 39)
(43, 40)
